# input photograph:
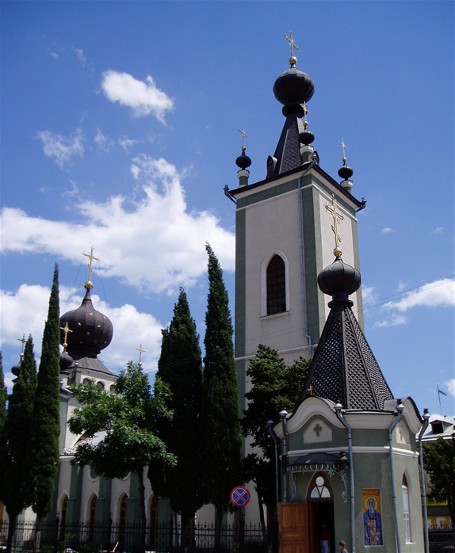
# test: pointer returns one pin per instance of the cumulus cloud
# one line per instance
(440, 293)
(154, 244)
(394, 320)
(143, 97)
(26, 309)
(60, 148)
(387, 230)
(450, 385)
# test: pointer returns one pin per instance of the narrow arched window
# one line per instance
(276, 286)
(406, 511)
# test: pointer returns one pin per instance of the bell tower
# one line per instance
(281, 241)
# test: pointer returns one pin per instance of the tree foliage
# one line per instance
(221, 460)
(180, 367)
(43, 453)
(15, 489)
(439, 463)
(125, 423)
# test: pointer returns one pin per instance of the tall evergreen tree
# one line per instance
(15, 491)
(221, 458)
(3, 395)
(180, 366)
(44, 444)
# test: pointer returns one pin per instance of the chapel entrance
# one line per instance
(320, 499)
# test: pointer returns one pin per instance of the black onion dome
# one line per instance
(16, 369)
(91, 330)
(293, 87)
(65, 361)
(345, 172)
(339, 279)
(243, 161)
(306, 137)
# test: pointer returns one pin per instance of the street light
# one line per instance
(284, 457)
(270, 425)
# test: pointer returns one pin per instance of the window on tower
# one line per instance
(276, 286)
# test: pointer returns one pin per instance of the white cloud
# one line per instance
(394, 320)
(143, 97)
(440, 293)
(387, 230)
(368, 295)
(128, 235)
(25, 311)
(438, 230)
(450, 385)
(80, 56)
(62, 149)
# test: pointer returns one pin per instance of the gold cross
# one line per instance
(22, 341)
(141, 351)
(292, 44)
(91, 259)
(336, 215)
(66, 330)
(244, 135)
(344, 148)
(310, 390)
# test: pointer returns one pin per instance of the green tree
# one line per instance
(439, 463)
(180, 367)
(3, 395)
(274, 386)
(128, 418)
(16, 493)
(221, 458)
(43, 452)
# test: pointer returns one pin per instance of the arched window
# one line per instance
(406, 511)
(320, 489)
(276, 285)
(91, 517)
(100, 384)
(63, 513)
(86, 381)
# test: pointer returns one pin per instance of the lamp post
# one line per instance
(270, 425)
(426, 419)
(284, 456)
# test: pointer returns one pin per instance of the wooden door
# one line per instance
(294, 522)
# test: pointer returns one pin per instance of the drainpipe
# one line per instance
(283, 415)
(396, 420)
(339, 414)
(426, 419)
(302, 264)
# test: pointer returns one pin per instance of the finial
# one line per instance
(141, 351)
(88, 285)
(345, 171)
(244, 135)
(66, 330)
(344, 148)
(23, 341)
(292, 46)
(336, 215)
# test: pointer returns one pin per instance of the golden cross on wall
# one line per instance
(141, 351)
(336, 215)
(66, 330)
(91, 258)
(292, 44)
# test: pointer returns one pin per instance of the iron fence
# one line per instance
(110, 537)
(442, 541)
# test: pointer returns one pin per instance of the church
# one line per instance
(349, 453)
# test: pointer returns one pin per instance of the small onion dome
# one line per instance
(292, 88)
(345, 172)
(339, 280)
(243, 161)
(16, 369)
(306, 137)
(91, 330)
(65, 360)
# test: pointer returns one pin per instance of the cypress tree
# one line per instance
(221, 459)
(15, 491)
(3, 395)
(44, 444)
(180, 366)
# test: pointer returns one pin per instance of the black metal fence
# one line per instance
(442, 541)
(127, 538)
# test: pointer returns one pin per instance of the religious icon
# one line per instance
(372, 520)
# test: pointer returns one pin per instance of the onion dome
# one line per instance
(293, 88)
(243, 161)
(345, 172)
(339, 279)
(91, 331)
(16, 369)
(65, 361)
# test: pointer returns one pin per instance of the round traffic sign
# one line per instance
(240, 496)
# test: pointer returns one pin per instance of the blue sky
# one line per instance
(120, 128)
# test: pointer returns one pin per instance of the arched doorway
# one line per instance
(320, 497)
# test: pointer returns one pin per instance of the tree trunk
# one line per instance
(218, 522)
(11, 532)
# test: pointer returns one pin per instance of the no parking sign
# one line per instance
(240, 496)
